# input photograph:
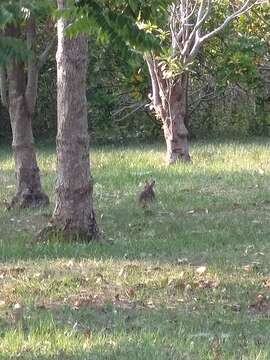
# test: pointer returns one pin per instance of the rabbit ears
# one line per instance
(151, 184)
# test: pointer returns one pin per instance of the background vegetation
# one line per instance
(230, 93)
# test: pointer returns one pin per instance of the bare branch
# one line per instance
(179, 23)
(161, 82)
(249, 4)
(202, 17)
(260, 17)
(3, 86)
(174, 34)
(206, 98)
(125, 107)
(191, 12)
(200, 12)
(134, 110)
(155, 87)
(203, 13)
(158, 97)
(44, 56)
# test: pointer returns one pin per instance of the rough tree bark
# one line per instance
(169, 100)
(28, 186)
(170, 89)
(73, 214)
(19, 96)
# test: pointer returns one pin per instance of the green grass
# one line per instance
(147, 295)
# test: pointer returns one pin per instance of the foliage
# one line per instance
(117, 96)
(231, 60)
(113, 22)
(230, 74)
(17, 12)
(11, 48)
(115, 89)
(45, 117)
(118, 81)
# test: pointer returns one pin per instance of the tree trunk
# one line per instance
(73, 214)
(169, 101)
(28, 186)
(174, 125)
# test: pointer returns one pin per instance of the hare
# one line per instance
(147, 196)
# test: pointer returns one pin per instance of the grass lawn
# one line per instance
(187, 279)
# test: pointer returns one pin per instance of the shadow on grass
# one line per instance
(198, 213)
(194, 220)
(108, 332)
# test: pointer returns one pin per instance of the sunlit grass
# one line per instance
(188, 279)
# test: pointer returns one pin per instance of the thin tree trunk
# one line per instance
(174, 126)
(73, 214)
(18, 94)
(169, 100)
(28, 186)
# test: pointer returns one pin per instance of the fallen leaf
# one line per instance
(70, 264)
(121, 272)
(266, 283)
(248, 268)
(208, 284)
(201, 270)
(198, 210)
(100, 279)
(251, 267)
(130, 293)
(180, 284)
(83, 300)
(183, 261)
(87, 332)
(248, 248)
(261, 305)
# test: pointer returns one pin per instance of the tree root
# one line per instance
(52, 231)
(185, 158)
(25, 200)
